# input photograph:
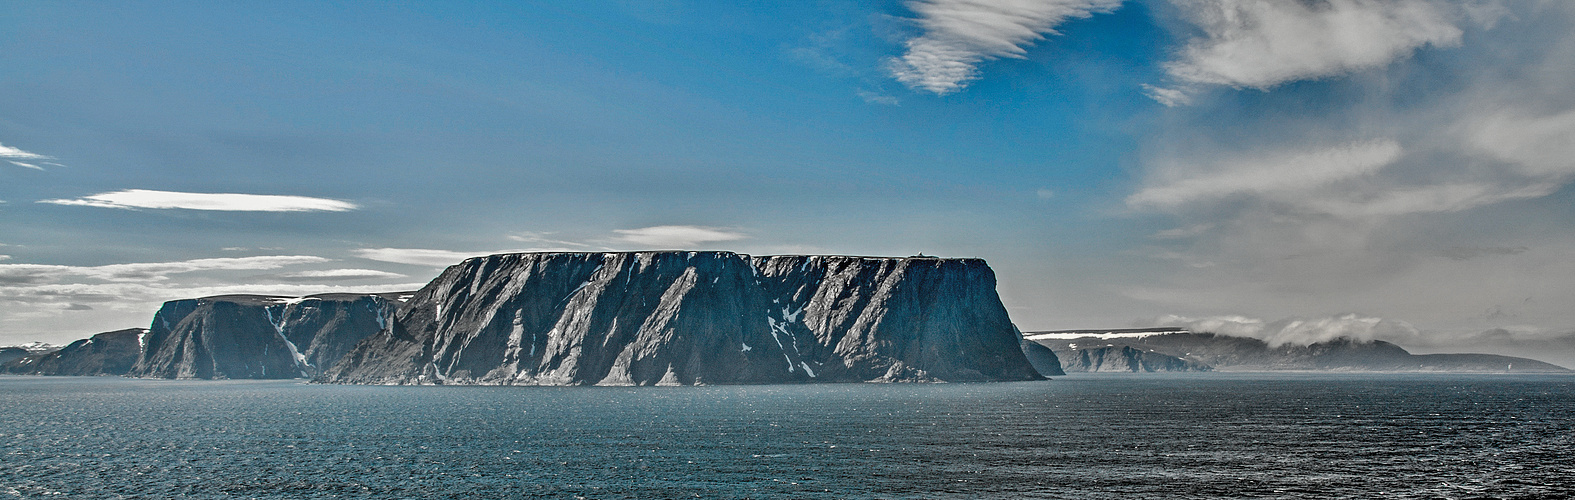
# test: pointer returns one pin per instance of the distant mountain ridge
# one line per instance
(1143, 350)
(108, 353)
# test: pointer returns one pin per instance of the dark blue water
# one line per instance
(1203, 436)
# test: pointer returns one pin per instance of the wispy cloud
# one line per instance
(676, 237)
(338, 274)
(22, 158)
(960, 34)
(873, 97)
(143, 198)
(152, 271)
(1539, 145)
(1260, 44)
(1274, 174)
(1299, 331)
(546, 238)
(416, 256)
(11, 153)
(1183, 232)
(1468, 253)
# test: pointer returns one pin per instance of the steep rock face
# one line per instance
(108, 353)
(661, 318)
(1044, 360)
(256, 337)
(325, 327)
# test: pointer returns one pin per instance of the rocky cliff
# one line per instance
(108, 353)
(666, 318)
(253, 336)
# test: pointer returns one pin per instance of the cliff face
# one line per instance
(252, 336)
(660, 318)
(1042, 358)
(108, 353)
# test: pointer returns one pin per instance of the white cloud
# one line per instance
(1183, 232)
(1263, 43)
(22, 158)
(328, 274)
(544, 238)
(1541, 146)
(143, 198)
(1168, 97)
(152, 271)
(11, 153)
(1437, 198)
(417, 256)
(959, 34)
(676, 237)
(1276, 174)
(1299, 331)
(872, 97)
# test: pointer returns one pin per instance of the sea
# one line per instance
(1207, 435)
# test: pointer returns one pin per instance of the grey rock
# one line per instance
(671, 318)
(108, 353)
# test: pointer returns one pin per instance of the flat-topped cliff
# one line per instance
(666, 318)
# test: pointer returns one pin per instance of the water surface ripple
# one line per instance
(1178, 436)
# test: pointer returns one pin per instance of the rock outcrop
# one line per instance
(258, 337)
(667, 318)
(108, 353)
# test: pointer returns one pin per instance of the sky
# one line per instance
(1292, 170)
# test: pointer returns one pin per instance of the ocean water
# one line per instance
(1091, 436)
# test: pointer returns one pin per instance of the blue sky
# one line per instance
(1291, 170)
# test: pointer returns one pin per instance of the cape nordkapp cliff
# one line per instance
(661, 318)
